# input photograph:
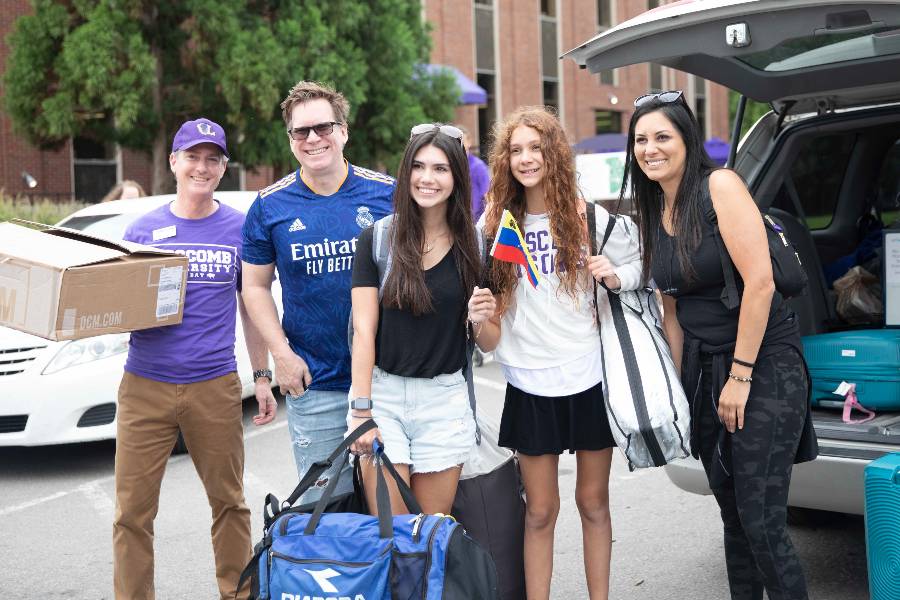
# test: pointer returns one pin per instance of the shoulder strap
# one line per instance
(381, 249)
(730, 296)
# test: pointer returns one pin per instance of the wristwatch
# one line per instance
(262, 373)
(361, 403)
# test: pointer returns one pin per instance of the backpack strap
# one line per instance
(381, 249)
(730, 296)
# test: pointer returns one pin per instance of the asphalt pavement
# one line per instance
(56, 510)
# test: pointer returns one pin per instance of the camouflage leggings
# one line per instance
(758, 551)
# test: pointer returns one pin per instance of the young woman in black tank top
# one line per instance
(743, 367)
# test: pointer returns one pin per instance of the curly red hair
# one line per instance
(561, 196)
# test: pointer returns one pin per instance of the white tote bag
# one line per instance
(648, 410)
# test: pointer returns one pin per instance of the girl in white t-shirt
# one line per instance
(546, 338)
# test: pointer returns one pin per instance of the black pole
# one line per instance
(736, 132)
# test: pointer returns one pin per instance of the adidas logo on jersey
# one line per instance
(297, 225)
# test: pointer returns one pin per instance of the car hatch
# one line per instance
(808, 54)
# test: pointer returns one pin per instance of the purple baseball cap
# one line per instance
(199, 131)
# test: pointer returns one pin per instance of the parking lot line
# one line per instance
(98, 498)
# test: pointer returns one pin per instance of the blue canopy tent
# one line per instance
(470, 92)
(717, 149)
(604, 142)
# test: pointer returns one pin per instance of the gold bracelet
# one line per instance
(739, 378)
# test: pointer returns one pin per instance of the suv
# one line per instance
(826, 160)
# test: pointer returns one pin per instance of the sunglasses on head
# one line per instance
(664, 97)
(448, 130)
(299, 134)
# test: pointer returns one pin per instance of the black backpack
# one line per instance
(787, 269)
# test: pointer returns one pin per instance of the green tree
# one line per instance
(752, 113)
(131, 71)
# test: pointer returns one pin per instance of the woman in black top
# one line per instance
(743, 367)
(410, 330)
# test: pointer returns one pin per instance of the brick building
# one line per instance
(509, 47)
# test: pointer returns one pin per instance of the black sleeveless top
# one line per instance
(700, 310)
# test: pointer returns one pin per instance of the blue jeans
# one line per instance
(318, 421)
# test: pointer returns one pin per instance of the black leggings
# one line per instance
(753, 502)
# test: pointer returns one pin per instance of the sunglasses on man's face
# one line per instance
(664, 97)
(298, 134)
(449, 130)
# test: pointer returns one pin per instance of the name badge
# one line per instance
(163, 233)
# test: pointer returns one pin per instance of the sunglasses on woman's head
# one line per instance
(448, 130)
(664, 97)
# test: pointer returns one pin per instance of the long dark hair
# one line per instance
(647, 195)
(560, 195)
(405, 286)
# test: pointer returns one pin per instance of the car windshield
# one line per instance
(812, 51)
(107, 226)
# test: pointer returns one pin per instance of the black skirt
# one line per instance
(535, 425)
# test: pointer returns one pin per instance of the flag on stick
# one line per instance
(509, 246)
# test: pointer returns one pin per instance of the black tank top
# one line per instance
(700, 310)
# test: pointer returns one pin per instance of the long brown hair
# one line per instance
(405, 286)
(560, 195)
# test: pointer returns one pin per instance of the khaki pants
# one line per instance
(150, 414)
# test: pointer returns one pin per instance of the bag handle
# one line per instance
(382, 497)
(272, 508)
(592, 241)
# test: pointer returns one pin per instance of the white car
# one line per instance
(64, 392)
(825, 160)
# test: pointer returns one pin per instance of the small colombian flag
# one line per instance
(509, 246)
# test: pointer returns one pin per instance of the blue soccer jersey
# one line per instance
(312, 240)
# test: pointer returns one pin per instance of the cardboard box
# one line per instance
(62, 284)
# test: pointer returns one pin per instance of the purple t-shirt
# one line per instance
(481, 181)
(202, 346)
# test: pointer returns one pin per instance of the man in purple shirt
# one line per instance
(481, 179)
(184, 377)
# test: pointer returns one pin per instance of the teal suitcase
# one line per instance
(882, 481)
(870, 358)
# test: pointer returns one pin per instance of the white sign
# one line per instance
(892, 278)
(600, 175)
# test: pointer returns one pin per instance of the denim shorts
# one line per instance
(424, 423)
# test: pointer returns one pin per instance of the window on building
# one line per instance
(551, 94)
(607, 77)
(604, 14)
(548, 7)
(96, 168)
(607, 121)
(700, 104)
(549, 61)
(233, 179)
(651, 4)
(484, 37)
(549, 52)
(655, 78)
(485, 70)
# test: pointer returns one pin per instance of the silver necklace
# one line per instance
(429, 247)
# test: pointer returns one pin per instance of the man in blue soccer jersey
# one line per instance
(307, 225)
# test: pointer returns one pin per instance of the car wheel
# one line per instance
(799, 516)
(180, 447)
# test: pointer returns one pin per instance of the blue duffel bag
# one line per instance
(323, 555)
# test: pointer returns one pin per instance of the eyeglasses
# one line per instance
(298, 134)
(664, 97)
(448, 130)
